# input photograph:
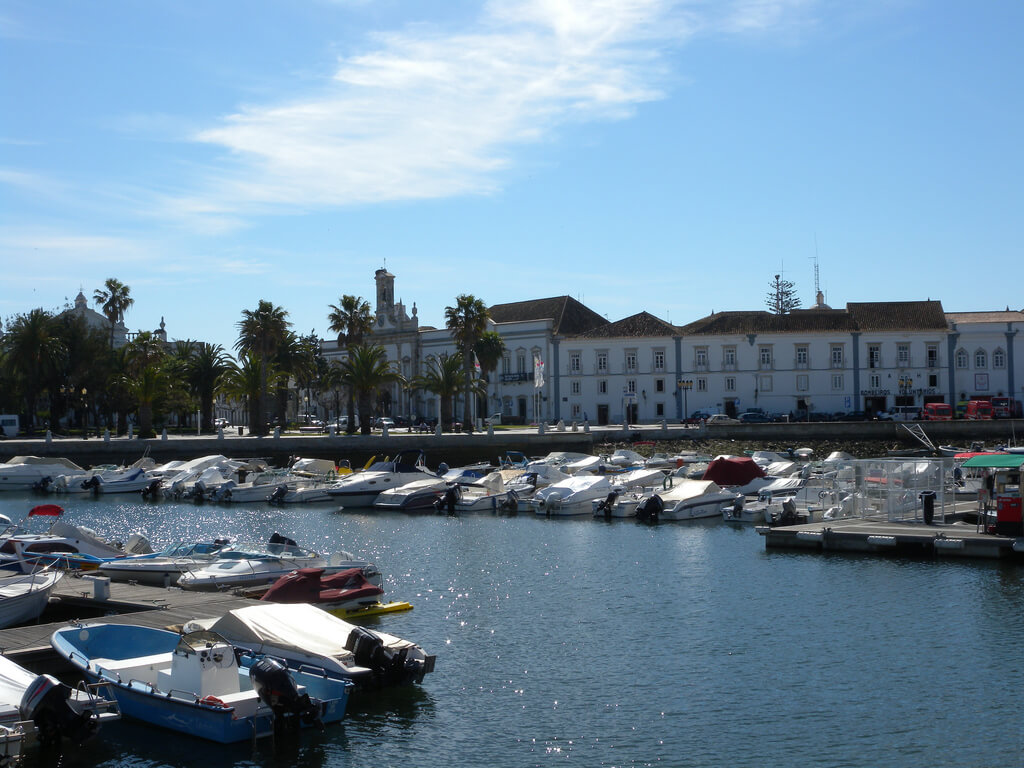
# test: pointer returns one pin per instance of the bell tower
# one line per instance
(385, 294)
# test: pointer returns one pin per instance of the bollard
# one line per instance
(490, 430)
(330, 430)
(277, 432)
(129, 431)
(49, 437)
(437, 430)
(163, 435)
(586, 426)
(540, 428)
(384, 430)
(220, 433)
(106, 435)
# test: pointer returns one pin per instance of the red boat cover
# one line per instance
(307, 585)
(734, 470)
(47, 509)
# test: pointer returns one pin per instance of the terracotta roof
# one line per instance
(898, 315)
(638, 325)
(1009, 316)
(570, 317)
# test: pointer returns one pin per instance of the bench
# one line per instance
(138, 667)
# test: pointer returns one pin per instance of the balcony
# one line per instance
(515, 378)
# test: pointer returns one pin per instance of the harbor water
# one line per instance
(593, 643)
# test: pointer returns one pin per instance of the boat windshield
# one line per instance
(263, 551)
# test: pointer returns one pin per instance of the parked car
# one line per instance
(851, 416)
(901, 413)
(753, 417)
(494, 418)
(697, 417)
(384, 421)
(721, 418)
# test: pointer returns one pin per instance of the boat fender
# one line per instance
(45, 702)
(650, 509)
(212, 701)
(275, 688)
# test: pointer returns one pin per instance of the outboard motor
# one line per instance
(45, 702)
(788, 516)
(276, 689)
(277, 497)
(43, 484)
(152, 490)
(650, 508)
(449, 500)
(609, 502)
(93, 483)
(511, 502)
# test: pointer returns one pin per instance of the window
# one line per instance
(961, 358)
(729, 358)
(575, 411)
(730, 383)
(874, 356)
(764, 383)
(702, 384)
(802, 382)
(574, 387)
(506, 363)
(837, 356)
(700, 358)
(765, 357)
(631, 360)
(602, 387)
(980, 359)
(521, 361)
(659, 385)
(631, 386)
(933, 379)
(602, 361)
(659, 409)
(574, 362)
(876, 381)
(801, 356)
(932, 355)
(659, 360)
(999, 359)
(902, 355)
(837, 382)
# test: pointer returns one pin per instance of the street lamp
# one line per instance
(906, 384)
(685, 385)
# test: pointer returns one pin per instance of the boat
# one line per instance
(483, 494)
(740, 474)
(39, 709)
(195, 684)
(419, 494)
(165, 567)
(300, 635)
(341, 591)
(24, 597)
(129, 480)
(62, 544)
(361, 489)
(23, 473)
(247, 565)
(572, 496)
(686, 500)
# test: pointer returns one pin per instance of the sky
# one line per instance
(668, 156)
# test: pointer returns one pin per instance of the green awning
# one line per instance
(996, 460)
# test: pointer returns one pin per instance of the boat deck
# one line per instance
(80, 598)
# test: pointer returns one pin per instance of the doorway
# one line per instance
(602, 415)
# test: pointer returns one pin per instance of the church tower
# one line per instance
(385, 295)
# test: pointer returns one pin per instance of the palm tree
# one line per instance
(366, 372)
(113, 299)
(330, 382)
(244, 382)
(205, 368)
(489, 351)
(467, 321)
(146, 379)
(443, 377)
(261, 332)
(351, 319)
(33, 352)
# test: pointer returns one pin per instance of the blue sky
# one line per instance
(636, 154)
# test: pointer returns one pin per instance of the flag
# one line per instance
(476, 366)
(538, 372)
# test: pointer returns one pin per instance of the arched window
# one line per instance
(961, 358)
(998, 359)
(980, 358)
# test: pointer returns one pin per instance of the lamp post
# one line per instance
(685, 385)
(906, 384)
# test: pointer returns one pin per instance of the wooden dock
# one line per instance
(910, 539)
(74, 599)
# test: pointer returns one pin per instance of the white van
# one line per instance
(494, 418)
(8, 425)
(901, 413)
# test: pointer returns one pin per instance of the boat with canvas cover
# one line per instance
(572, 496)
(300, 635)
(22, 473)
(194, 683)
(686, 500)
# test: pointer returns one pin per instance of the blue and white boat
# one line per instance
(195, 684)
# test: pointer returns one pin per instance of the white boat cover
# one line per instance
(314, 466)
(14, 679)
(43, 461)
(690, 489)
(300, 627)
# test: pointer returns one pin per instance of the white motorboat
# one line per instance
(165, 567)
(626, 491)
(303, 636)
(525, 485)
(128, 480)
(22, 473)
(686, 500)
(572, 496)
(247, 565)
(484, 494)
(361, 489)
(419, 494)
(24, 597)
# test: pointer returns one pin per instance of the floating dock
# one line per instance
(909, 539)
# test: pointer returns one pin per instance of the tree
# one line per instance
(489, 351)
(146, 378)
(467, 321)
(261, 332)
(206, 367)
(782, 298)
(246, 382)
(367, 371)
(351, 319)
(442, 377)
(113, 299)
(33, 352)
